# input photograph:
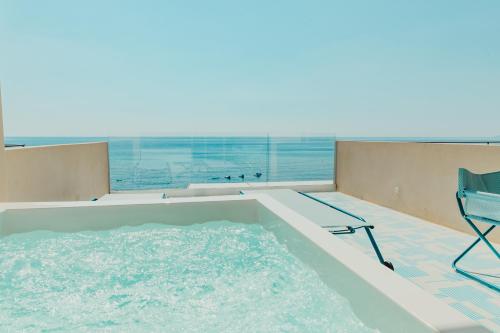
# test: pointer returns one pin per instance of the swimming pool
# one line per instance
(218, 263)
(210, 277)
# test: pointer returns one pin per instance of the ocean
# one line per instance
(175, 162)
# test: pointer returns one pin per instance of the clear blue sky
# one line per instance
(354, 68)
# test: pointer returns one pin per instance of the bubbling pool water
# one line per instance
(212, 277)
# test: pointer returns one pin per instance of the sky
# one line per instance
(350, 68)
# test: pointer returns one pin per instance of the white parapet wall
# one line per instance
(419, 179)
(57, 173)
(53, 173)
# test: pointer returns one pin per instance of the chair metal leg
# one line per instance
(350, 230)
(377, 250)
(482, 237)
(346, 230)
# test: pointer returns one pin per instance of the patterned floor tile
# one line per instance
(422, 252)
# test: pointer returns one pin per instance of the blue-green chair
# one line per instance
(478, 198)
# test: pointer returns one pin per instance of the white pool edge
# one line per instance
(423, 306)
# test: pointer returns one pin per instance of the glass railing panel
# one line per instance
(301, 158)
(229, 159)
(147, 163)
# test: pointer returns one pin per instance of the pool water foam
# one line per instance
(212, 277)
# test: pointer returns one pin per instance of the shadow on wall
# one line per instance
(419, 179)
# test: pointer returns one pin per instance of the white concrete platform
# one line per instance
(319, 184)
(232, 188)
(133, 196)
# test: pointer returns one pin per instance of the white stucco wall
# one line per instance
(419, 179)
(53, 173)
(57, 173)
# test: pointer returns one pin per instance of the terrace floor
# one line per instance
(422, 252)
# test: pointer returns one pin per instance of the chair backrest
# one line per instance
(486, 182)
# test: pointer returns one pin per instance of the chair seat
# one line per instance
(483, 204)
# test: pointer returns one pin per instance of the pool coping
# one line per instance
(423, 306)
